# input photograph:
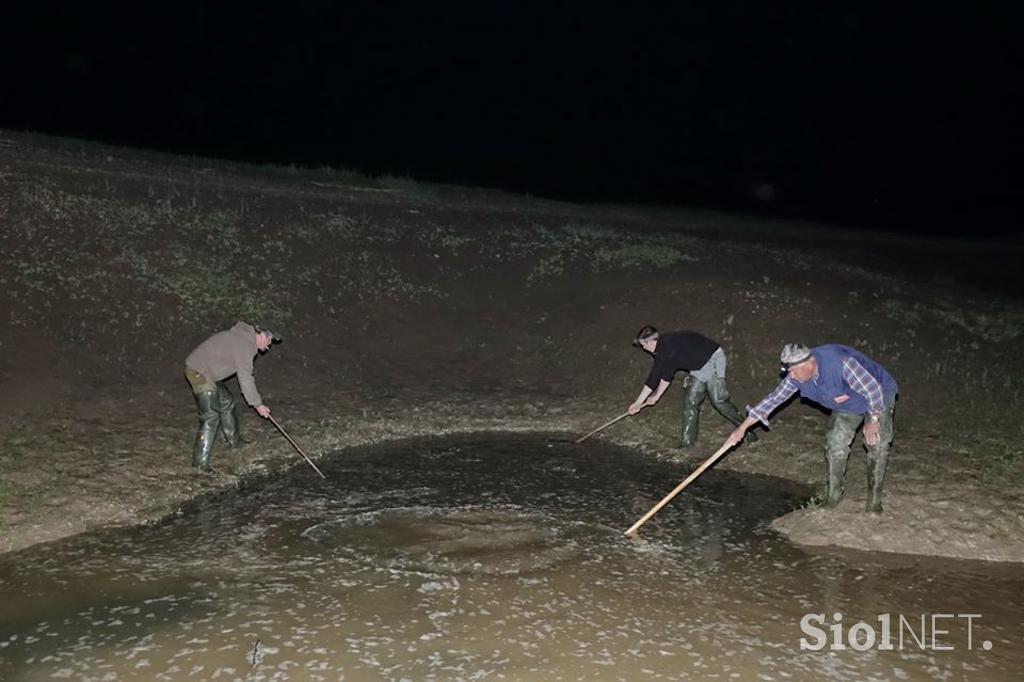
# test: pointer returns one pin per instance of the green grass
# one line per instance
(268, 171)
(817, 500)
(8, 493)
(640, 256)
(992, 322)
(1000, 462)
(555, 251)
(12, 450)
(13, 457)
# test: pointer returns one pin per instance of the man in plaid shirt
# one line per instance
(857, 389)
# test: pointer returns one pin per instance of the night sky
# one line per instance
(906, 119)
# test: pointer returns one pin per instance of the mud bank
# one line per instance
(145, 484)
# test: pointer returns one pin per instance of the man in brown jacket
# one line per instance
(214, 360)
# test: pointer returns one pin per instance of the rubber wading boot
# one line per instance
(228, 421)
(836, 478)
(209, 421)
(695, 392)
(876, 475)
(724, 405)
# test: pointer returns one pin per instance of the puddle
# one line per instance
(490, 557)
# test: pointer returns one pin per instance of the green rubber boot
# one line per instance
(836, 480)
(878, 459)
(209, 421)
(228, 420)
(842, 428)
(695, 392)
(876, 476)
(723, 404)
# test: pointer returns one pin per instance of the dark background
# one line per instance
(881, 115)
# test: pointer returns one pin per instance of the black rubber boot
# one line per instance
(723, 404)
(695, 392)
(209, 421)
(228, 421)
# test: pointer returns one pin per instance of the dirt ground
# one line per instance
(412, 309)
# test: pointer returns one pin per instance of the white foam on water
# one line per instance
(461, 540)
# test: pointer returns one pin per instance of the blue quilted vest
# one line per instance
(830, 390)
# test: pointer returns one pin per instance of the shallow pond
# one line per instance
(495, 557)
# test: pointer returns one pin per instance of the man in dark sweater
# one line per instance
(703, 359)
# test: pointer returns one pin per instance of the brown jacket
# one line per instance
(226, 353)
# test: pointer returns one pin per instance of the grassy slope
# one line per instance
(412, 308)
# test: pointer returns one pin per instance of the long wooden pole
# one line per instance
(679, 488)
(295, 445)
(603, 427)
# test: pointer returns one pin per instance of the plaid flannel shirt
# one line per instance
(853, 373)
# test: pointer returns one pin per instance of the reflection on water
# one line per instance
(488, 558)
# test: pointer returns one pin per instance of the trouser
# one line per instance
(709, 381)
(216, 408)
(842, 430)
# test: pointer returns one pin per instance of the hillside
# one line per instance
(413, 309)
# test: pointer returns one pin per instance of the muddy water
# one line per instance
(491, 558)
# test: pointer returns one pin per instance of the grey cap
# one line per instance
(264, 329)
(794, 354)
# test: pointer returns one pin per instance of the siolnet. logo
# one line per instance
(928, 631)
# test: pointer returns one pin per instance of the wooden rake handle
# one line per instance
(295, 445)
(678, 489)
(603, 427)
